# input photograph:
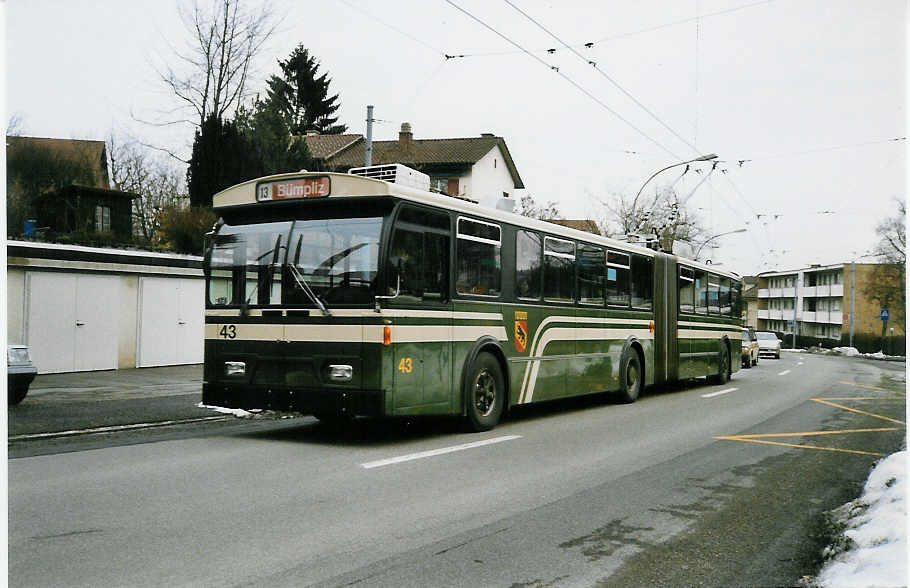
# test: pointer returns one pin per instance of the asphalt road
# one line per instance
(695, 485)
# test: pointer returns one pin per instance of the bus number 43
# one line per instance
(405, 366)
(228, 331)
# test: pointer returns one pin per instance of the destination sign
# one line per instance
(295, 188)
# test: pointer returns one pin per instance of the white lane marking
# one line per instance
(434, 452)
(713, 394)
(784, 373)
(112, 429)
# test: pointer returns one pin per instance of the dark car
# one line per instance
(20, 372)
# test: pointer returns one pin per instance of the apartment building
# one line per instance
(817, 301)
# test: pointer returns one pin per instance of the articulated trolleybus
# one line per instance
(340, 295)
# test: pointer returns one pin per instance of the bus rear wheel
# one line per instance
(630, 380)
(485, 393)
(723, 367)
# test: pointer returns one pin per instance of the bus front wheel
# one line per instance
(630, 380)
(485, 393)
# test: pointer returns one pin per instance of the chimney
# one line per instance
(405, 137)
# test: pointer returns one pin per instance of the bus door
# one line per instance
(666, 343)
(422, 335)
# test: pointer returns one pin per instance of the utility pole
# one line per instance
(795, 301)
(368, 152)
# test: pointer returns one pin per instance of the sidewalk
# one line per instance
(119, 384)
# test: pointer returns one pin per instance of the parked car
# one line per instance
(750, 348)
(20, 372)
(768, 344)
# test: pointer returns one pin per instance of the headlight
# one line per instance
(234, 368)
(17, 355)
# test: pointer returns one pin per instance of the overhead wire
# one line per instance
(565, 77)
(393, 27)
(591, 44)
(628, 94)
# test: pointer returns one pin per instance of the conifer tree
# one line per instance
(301, 95)
(222, 156)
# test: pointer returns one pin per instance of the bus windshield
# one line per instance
(311, 263)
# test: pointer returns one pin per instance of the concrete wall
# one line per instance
(64, 262)
(15, 305)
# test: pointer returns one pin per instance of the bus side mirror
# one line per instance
(376, 300)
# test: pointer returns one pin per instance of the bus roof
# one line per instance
(347, 185)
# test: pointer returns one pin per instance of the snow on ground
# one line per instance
(873, 546)
(237, 412)
(847, 352)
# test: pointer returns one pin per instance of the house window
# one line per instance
(102, 219)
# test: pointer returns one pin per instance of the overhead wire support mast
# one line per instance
(565, 77)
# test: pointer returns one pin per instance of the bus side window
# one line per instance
(686, 290)
(479, 258)
(528, 270)
(642, 276)
(559, 270)
(701, 292)
(724, 298)
(418, 255)
(591, 273)
(714, 302)
(618, 278)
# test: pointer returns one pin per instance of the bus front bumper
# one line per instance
(303, 400)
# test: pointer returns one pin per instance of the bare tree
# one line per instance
(218, 60)
(157, 183)
(888, 283)
(528, 207)
(15, 126)
(663, 219)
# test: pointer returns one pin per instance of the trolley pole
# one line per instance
(368, 152)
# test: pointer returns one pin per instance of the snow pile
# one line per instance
(854, 352)
(848, 351)
(237, 412)
(876, 532)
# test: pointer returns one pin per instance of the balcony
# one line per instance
(764, 293)
(831, 290)
(764, 313)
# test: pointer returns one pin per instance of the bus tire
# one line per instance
(484, 393)
(16, 395)
(630, 376)
(723, 366)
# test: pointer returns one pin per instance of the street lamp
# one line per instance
(700, 247)
(707, 157)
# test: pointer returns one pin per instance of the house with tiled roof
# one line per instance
(86, 202)
(477, 168)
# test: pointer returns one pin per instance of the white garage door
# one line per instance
(171, 323)
(70, 322)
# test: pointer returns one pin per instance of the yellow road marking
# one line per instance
(761, 438)
(856, 410)
(854, 451)
(811, 433)
(895, 398)
(871, 387)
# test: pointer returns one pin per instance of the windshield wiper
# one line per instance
(301, 281)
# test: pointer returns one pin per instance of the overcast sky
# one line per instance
(811, 93)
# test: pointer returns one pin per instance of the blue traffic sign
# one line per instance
(885, 314)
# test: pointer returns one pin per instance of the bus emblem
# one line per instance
(521, 336)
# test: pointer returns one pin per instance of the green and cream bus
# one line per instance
(340, 295)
